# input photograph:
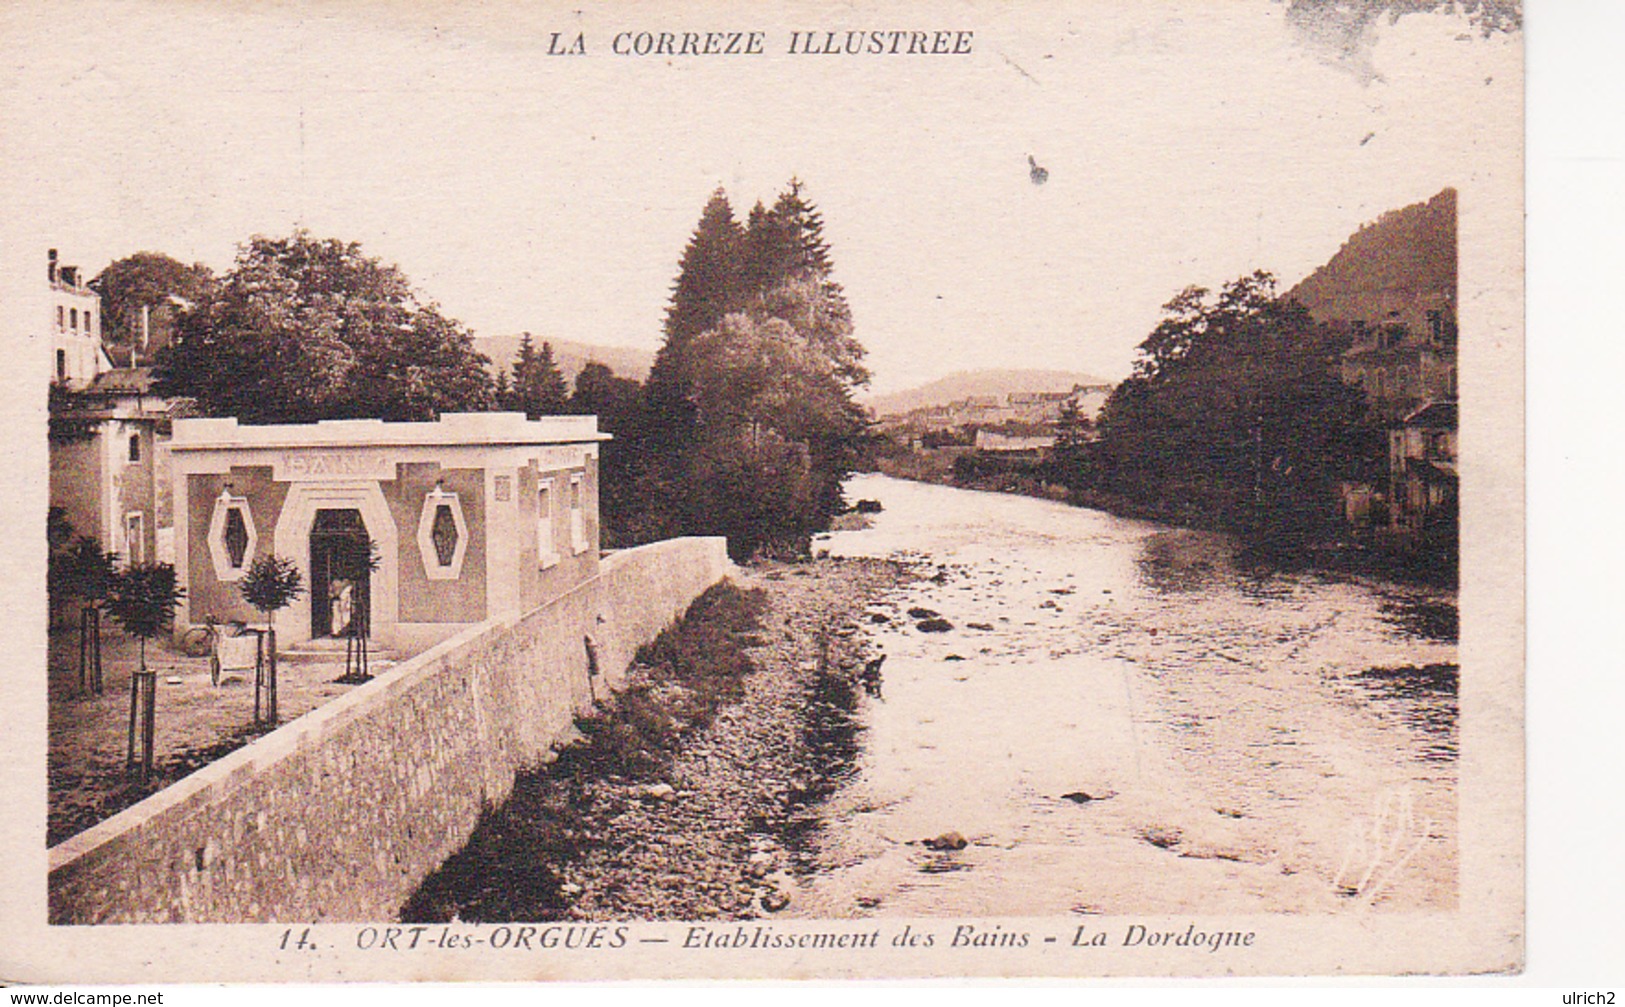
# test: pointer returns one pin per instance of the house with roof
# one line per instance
(74, 325)
(109, 464)
(1424, 485)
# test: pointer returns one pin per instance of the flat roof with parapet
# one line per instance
(460, 429)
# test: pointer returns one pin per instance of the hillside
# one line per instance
(1394, 269)
(625, 361)
(963, 384)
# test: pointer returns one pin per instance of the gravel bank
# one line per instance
(711, 825)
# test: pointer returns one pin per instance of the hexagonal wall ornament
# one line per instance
(442, 535)
(232, 536)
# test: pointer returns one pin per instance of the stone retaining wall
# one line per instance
(340, 814)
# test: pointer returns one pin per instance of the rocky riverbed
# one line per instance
(693, 796)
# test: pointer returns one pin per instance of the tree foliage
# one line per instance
(145, 279)
(143, 599)
(751, 395)
(629, 470)
(271, 583)
(707, 287)
(305, 329)
(538, 387)
(1236, 414)
(77, 566)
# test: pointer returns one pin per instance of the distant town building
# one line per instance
(1392, 289)
(74, 323)
(1033, 409)
(987, 440)
(1400, 368)
(472, 517)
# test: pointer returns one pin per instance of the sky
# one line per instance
(1184, 143)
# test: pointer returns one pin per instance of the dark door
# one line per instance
(341, 564)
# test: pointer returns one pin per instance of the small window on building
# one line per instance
(578, 516)
(236, 538)
(135, 538)
(442, 535)
(232, 538)
(547, 553)
(89, 329)
(61, 365)
(61, 317)
(135, 447)
(73, 319)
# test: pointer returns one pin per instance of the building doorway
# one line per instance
(342, 558)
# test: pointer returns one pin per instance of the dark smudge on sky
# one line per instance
(1344, 31)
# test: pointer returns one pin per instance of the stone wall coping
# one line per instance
(460, 429)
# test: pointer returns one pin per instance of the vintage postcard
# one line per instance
(524, 491)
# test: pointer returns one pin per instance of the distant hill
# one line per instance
(625, 361)
(963, 384)
(1395, 269)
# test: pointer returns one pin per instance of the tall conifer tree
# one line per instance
(538, 385)
(707, 288)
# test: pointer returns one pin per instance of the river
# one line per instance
(1123, 720)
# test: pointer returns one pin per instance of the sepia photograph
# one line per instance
(765, 491)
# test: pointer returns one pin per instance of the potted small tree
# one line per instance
(143, 599)
(270, 585)
(81, 569)
(355, 556)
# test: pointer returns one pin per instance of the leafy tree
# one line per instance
(144, 280)
(778, 433)
(1074, 439)
(270, 584)
(599, 392)
(750, 401)
(143, 600)
(539, 388)
(304, 329)
(83, 570)
(628, 469)
(77, 567)
(1236, 414)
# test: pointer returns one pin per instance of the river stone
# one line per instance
(1083, 797)
(947, 841)
(935, 626)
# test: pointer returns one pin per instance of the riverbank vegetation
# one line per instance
(751, 422)
(686, 795)
(1235, 419)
